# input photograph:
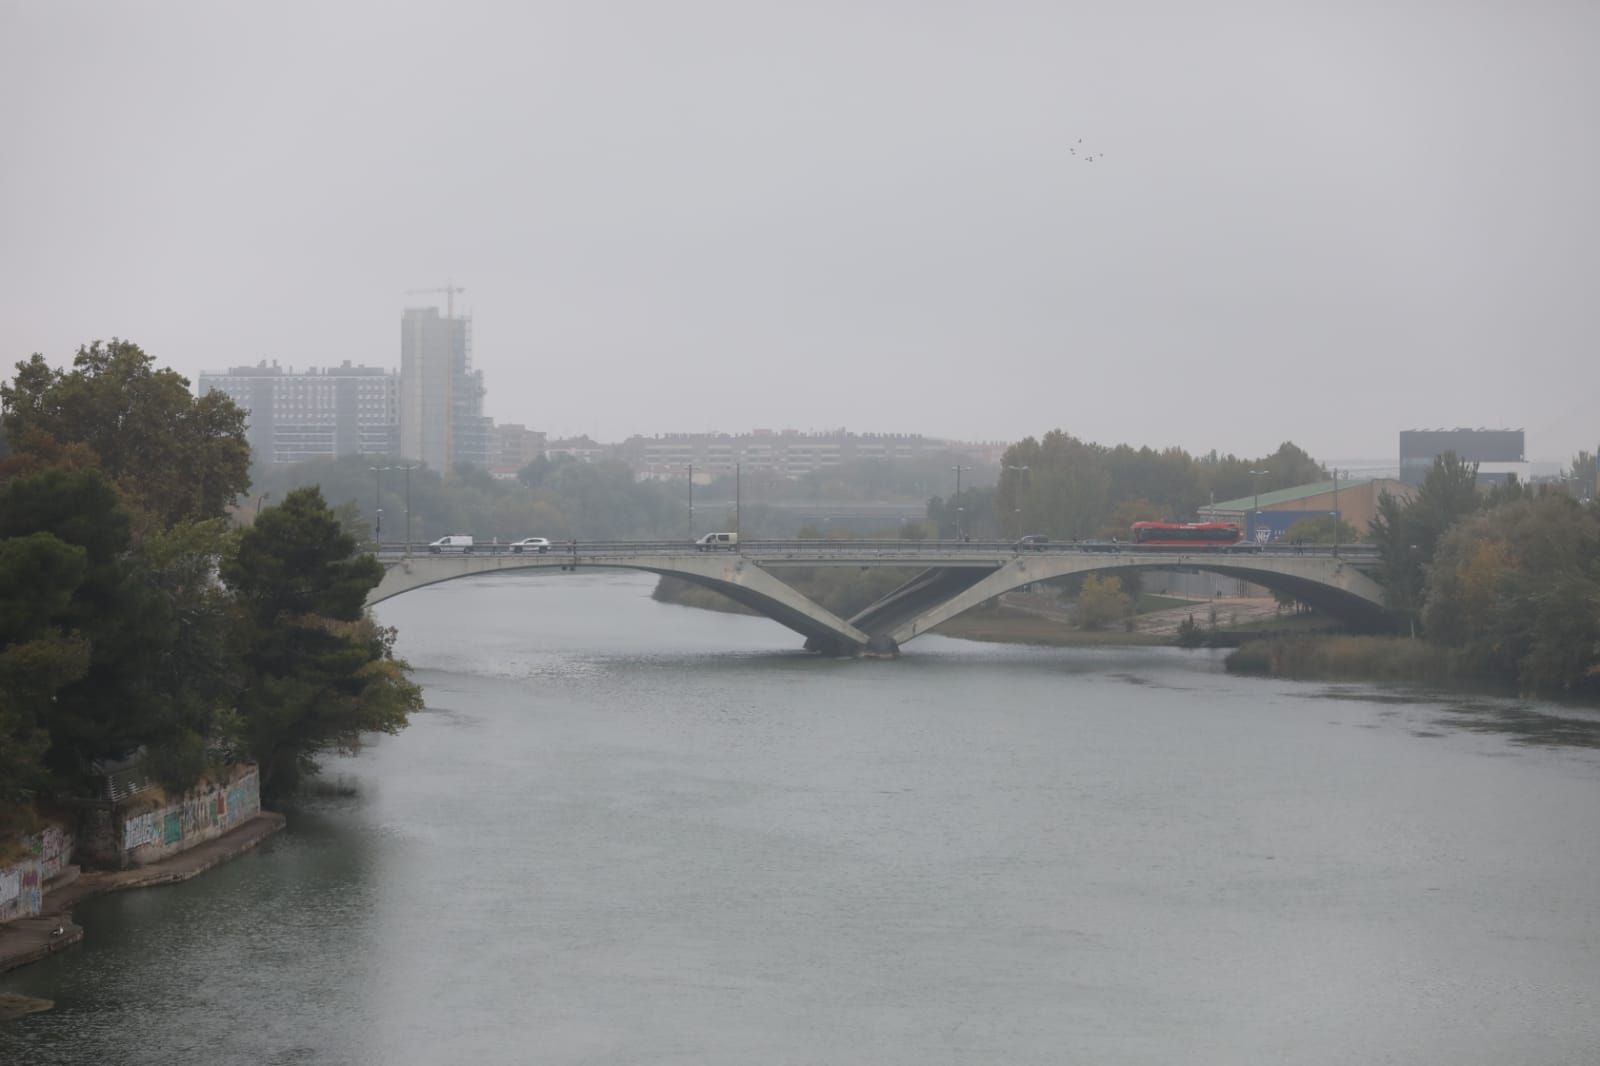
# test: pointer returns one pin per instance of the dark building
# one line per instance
(1420, 447)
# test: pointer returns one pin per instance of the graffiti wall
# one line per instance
(205, 813)
(22, 882)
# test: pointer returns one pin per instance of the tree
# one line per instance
(1407, 533)
(38, 656)
(1517, 588)
(1101, 603)
(1322, 530)
(174, 457)
(317, 671)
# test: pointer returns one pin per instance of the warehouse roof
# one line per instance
(1281, 496)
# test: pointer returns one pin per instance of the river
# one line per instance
(628, 832)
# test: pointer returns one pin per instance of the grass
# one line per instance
(1324, 657)
(997, 625)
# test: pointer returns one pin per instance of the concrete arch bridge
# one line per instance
(952, 577)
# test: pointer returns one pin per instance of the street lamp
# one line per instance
(1256, 509)
(691, 503)
(957, 499)
(736, 501)
(407, 469)
(1017, 508)
(377, 504)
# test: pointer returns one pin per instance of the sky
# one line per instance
(1312, 222)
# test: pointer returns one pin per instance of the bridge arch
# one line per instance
(732, 575)
(951, 579)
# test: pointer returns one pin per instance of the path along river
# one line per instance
(626, 832)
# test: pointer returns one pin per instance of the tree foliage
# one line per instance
(1101, 603)
(316, 671)
(118, 632)
(1073, 489)
(174, 457)
(1407, 532)
(1518, 588)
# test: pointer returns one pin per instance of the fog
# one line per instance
(1324, 224)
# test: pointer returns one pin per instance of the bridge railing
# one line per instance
(823, 549)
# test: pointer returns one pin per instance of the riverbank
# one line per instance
(31, 939)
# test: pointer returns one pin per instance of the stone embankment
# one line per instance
(31, 939)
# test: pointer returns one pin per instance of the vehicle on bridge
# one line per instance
(714, 541)
(456, 542)
(1036, 542)
(1186, 534)
(530, 544)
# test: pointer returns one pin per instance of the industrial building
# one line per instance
(1498, 452)
(1266, 516)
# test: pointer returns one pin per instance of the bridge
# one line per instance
(951, 577)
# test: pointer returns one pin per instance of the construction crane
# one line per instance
(449, 289)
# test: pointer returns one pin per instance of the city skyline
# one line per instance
(1317, 226)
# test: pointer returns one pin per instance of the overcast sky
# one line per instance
(1322, 222)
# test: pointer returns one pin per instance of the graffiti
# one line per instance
(197, 817)
(22, 883)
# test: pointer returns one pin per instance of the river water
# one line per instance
(626, 832)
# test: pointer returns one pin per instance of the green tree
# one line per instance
(174, 457)
(317, 672)
(1322, 530)
(1101, 603)
(38, 656)
(1518, 589)
(1407, 532)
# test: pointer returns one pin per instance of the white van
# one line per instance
(713, 541)
(457, 543)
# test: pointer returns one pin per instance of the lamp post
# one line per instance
(1256, 509)
(691, 503)
(736, 501)
(407, 469)
(1336, 511)
(377, 505)
(1017, 504)
(958, 468)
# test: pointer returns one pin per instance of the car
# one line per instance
(530, 544)
(1036, 542)
(457, 542)
(714, 541)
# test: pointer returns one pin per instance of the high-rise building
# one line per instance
(441, 396)
(294, 416)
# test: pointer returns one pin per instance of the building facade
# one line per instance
(515, 446)
(1497, 452)
(786, 453)
(297, 416)
(441, 396)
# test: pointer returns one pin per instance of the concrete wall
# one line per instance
(22, 882)
(136, 833)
